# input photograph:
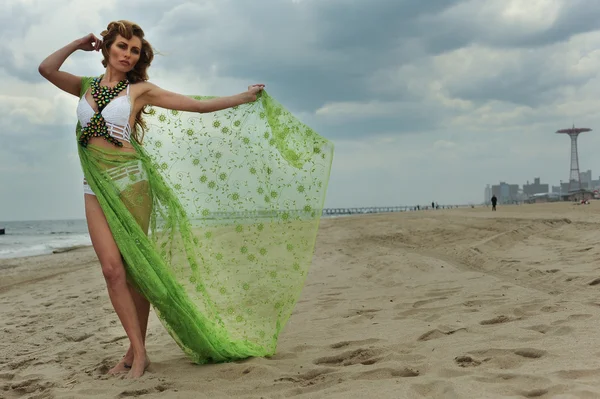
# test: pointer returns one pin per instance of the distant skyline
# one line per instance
(425, 101)
(531, 179)
(582, 171)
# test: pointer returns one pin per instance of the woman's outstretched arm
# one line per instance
(154, 95)
(50, 67)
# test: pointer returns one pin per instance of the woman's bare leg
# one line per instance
(142, 307)
(114, 274)
(138, 201)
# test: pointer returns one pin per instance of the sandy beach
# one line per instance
(461, 303)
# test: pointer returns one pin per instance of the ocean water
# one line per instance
(29, 238)
(39, 237)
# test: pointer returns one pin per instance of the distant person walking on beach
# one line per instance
(494, 201)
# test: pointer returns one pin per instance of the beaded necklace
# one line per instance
(102, 95)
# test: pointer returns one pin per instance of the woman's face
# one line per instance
(123, 54)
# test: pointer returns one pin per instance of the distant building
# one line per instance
(594, 184)
(544, 197)
(535, 188)
(586, 179)
(580, 195)
(487, 195)
(563, 189)
(506, 193)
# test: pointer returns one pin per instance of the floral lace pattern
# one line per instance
(232, 204)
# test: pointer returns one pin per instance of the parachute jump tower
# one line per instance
(574, 177)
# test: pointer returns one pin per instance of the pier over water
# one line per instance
(307, 214)
(384, 209)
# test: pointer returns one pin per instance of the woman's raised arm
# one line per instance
(50, 67)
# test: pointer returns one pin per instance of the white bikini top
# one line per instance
(116, 114)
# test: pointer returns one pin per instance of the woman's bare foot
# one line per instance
(139, 366)
(124, 365)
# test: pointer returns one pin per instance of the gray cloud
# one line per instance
(423, 99)
(317, 51)
(478, 22)
(15, 20)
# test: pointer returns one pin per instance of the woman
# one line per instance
(178, 224)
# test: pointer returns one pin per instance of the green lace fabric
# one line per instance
(216, 219)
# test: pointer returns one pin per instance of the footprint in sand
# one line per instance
(388, 372)
(546, 329)
(437, 333)
(133, 393)
(364, 356)
(518, 380)
(499, 358)
(344, 344)
(21, 363)
(594, 282)
(578, 374)
(144, 391)
(435, 389)
(535, 393)
(418, 304)
(466, 361)
(114, 339)
(75, 336)
(550, 308)
(329, 302)
(571, 318)
(428, 314)
(484, 302)
(31, 385)
(530, 353)
(282, 356)
(7, 375)
(497, 320)
(349, 358)
(310, 377)
(368, 313)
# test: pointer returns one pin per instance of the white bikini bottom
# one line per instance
(122, 176)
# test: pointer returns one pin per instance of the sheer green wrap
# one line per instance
(216, 219)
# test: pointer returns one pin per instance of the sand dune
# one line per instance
(461, 303)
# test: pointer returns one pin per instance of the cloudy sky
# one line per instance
(424, 100)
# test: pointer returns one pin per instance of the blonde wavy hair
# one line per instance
(139, 73)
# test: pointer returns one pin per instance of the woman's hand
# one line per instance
(89, 43)
(254, 90)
